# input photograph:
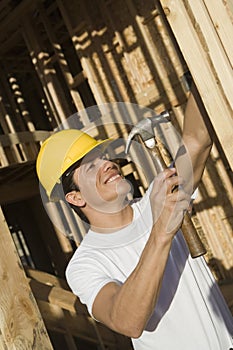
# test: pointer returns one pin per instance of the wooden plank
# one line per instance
(78, 325)
(205, 27)
(63, 311)
(223, 25)
(160, 61)
(65, 299)
(71, 83)
(229, 4)
(46, 73)
(17, 120)
(3, 117)
(23, 137)
(21, 325)
(47, 278)
(201, 67)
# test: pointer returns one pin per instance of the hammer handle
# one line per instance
(189, 231)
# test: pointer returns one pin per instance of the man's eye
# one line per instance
(95, 161)
(105, 157)
(91, 166)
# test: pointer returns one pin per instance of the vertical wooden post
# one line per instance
(60, 58)
(46, 72)
(202, 45)
(14, 124)
(21, 325)
(85, 59)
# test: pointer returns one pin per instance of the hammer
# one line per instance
(145, 130)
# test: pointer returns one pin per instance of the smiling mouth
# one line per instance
(113, 178)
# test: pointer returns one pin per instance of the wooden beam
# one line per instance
(14, 19)
(59, 55)
(207, 61)
(222, 23)
(52, 86)
(57, 296)
(78, 325)
(21, 325)
(63, 310)
(47, 278)
(24, 137)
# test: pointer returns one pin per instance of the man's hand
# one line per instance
(169, 203)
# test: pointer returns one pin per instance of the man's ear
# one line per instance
(75, 198)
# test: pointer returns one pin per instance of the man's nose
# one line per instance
(107, 164)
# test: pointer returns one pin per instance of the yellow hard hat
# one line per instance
(59, 152)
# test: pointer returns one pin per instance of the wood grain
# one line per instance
(21, 324)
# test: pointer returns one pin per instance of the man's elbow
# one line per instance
(128, 327)
(136, 333)
(207, 144)
(131, 331)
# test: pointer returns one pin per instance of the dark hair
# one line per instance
(68, 185)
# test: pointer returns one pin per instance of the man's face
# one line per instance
(101, 183)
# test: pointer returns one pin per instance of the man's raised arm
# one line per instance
(190, 161)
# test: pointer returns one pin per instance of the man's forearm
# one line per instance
(191, 159)
(195, 120)
(135, 300)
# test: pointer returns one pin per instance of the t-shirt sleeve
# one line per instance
(86, 277)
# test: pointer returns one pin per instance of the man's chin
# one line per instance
(124, 187)
(118, 202)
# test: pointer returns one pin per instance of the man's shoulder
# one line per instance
(79, 259)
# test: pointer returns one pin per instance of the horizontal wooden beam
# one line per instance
(23, 137)
(57, 296)
(46, 278)
(62, 311)
(78, 325)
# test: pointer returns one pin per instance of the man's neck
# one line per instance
(111, 222)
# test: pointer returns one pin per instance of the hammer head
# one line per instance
(145, 129)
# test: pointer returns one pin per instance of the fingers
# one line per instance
(168, 181)
(165, 174)
(179, 195)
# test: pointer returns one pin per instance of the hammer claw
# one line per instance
(145, 128)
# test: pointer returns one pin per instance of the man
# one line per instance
(132, 269)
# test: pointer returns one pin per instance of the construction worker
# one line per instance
(133, 269)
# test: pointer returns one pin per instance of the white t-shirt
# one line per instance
(190, 313)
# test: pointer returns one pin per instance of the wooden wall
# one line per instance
(207, 48)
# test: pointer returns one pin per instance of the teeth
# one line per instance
(113, 178)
